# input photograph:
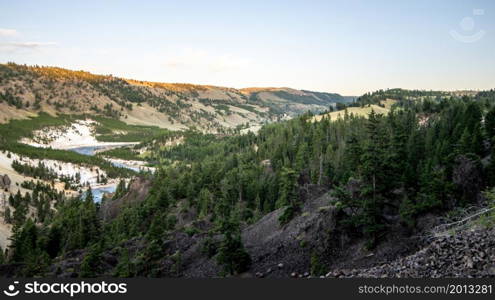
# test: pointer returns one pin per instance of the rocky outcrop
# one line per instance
(5, 182)
(292, 249)
(465, 254)
(277, 249)
(138, 191)
(467, 176)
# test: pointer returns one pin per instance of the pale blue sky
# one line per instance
(349, 47)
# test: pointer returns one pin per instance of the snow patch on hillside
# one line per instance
(135, 165)
(87, 174)
(81, 133)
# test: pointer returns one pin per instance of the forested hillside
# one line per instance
(379, 175)
(28, 90)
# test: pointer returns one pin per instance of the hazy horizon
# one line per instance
(349, 48)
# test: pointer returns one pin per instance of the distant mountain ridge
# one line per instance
(27, 90)
(292, 99)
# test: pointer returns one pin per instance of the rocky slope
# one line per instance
(310, 245)
(469, 253)
(24, 91)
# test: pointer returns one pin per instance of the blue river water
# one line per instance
(98, 192)
(90, 150)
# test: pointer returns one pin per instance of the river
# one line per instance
(109, 188)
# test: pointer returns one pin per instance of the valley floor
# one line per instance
(78, 137)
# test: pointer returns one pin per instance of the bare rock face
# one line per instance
(286, 250)
(138, 191)
(272, 245)
(5, 182)
(464, 254)
(467, 177)
(354, 187)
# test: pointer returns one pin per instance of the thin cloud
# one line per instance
(16, 46)
(9, 42)
(5, 32)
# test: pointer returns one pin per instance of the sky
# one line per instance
(349, 47)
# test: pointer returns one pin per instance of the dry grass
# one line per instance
(359, 111)
(148, 116)
(8, 112)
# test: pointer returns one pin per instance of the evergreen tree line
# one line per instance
(403, 164)
(36, 241)
(12, 100)
(428, 155)
(40, 171)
